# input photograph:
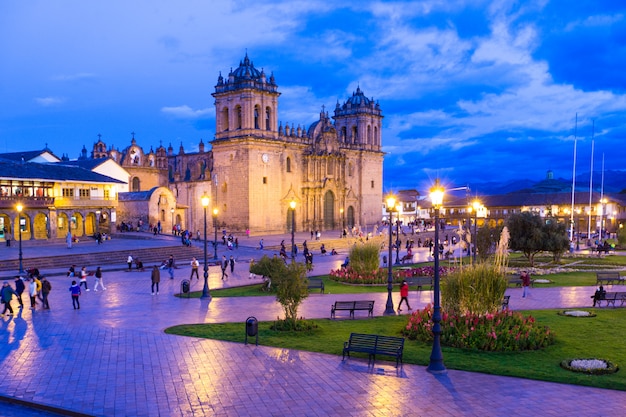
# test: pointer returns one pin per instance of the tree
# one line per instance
(526, 234)
(291, 290)
(555, 239)
(486, 240)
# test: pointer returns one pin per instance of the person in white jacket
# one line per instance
(32, 292)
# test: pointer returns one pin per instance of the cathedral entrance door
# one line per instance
(329, 210)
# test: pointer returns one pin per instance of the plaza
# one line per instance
(112, 357)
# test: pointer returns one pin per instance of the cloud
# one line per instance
(74, 77)
(186, 112)
(49, 101)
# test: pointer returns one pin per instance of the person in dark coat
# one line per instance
(156, 278)
(6, 295)
(19, 289)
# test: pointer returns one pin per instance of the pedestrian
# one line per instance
(525, 283)
(404, 295)
(8, 237)
(232, 264)
(83, 277)
(32, 292)
(224, 266)
(156, 278)
(6, 295)
(171, 264)
(129, 261)
(159, 226)
(38, 285)
(19, 289)
(261, 244)
(46, 287)
(68, 239)
(99, 282)
(75, 291)
(194, 268)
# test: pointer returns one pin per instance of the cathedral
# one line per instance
(258, 172)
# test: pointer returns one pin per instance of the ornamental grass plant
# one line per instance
(364, 257)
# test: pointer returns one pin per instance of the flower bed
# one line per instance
(576, 313)
(379, 276)
(501, 331)
(591, 366)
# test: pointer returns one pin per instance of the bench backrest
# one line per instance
(608, 275)
(364, 304)
(389, 344)
(610, 296)
(419, 280)
(344, 304)
(360, 340)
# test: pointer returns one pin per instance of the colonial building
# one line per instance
(257, 166)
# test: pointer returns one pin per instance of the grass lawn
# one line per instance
(596, 337)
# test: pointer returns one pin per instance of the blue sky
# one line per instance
(472, 91)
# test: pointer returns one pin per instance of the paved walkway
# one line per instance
(112, 358)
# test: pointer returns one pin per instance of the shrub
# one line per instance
(500, 331)
(379, 276)
(291, 289)
(364, 257)
(477, 289)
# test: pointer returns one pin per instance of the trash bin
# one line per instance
(252, 329)
(185, 287)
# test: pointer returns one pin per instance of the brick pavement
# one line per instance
(112, 358)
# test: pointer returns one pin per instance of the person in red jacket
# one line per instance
(404, 295)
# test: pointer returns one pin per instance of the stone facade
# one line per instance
(257, 166)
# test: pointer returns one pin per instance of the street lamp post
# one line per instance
(19, 227)
(476, 207)
(343, 222)
(397, 236)
(391, 206)
(292, 206)
(436, 365)
(215, 211)
(205, 289)
(172, 211)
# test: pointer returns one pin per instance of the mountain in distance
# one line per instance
(614, 182)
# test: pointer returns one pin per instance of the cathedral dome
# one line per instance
(246, 70)
(359, 98)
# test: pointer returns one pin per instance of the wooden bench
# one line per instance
(419, 281)
(517, 281)
(407, 258)
(505, 302)
(316, 283)
(352, 306)
(612, 298)
(373, 345)
(609, 278)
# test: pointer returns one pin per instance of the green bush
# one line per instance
(477, 288)
(364, 257)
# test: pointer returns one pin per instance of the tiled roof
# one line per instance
(51, 172)
(26, 155)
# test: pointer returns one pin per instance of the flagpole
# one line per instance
(571, 219)
(593, 131)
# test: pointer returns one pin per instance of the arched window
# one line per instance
(376, 138)
(344, 133)
(136, 184)
(369, 134)
(256, 117)
(288, 164)
(268, 114)
(238, 114)
(225, 119)
(354, 138)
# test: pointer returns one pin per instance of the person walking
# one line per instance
(8, 237)
(525, 283)
(224, 266)
(171, 264)
(156, 278)
(194, 268)
(19, 289)
(231, 261)
(75, 292)
(129, 261)
(404, 295)
(83, 277)
(99, 279)
(6, 295)
(68, 239)
(32, 292)
(46, 287)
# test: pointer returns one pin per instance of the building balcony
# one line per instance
(10, 202)
(66, 202)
